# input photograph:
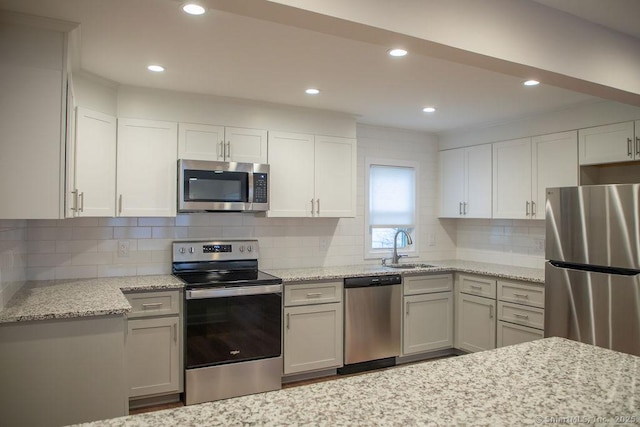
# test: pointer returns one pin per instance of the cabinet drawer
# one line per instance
(520, 314)
(477, 285)
(510, 334)
(424, 284)
(521, 293)
(154, 303)
(312, 293)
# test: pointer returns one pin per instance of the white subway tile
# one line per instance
(156, 222)
(115, 270)
(76, 246)
(132, 233)
(155, 244)
(76, 272)
(151, 269)
(169, 232)
(92, 258)
(91, 233)
(118, 222)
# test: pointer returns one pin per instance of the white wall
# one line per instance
(87, 247)
(13, 258)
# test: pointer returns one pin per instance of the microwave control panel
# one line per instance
(259, 188)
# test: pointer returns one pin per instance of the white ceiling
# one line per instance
(230, 55)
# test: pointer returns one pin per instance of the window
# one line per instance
(390, 206)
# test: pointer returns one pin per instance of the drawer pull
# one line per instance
(152, 305)
(476, 287)
(288, 321)
(314, 295)
(521, 316)
(525, 296)
(490, 312)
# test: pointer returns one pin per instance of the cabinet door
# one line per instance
(291, 174)
(200, 142)
(147, 165)
(335, 176)
(428, 322)
(475, 323)
(452, 179)
(312, 337)
(554, 163)
(95, 164)
(153, 363)
(510, 334)
(512, 179)
(478, 182)
(606, 144)
(246, 145)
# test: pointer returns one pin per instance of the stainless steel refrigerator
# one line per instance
(592, 273)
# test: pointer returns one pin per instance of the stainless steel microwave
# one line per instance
(222, 186)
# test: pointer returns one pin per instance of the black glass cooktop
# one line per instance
(224, 278)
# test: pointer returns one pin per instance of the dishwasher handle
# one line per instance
(366, 281)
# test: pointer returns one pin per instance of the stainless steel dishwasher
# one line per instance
(372, 322)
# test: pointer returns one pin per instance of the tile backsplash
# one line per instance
(13, 258)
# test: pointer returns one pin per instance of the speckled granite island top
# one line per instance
(330, 273)
(61, 299)
(549, 381)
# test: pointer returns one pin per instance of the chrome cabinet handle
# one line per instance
(288, 321)
(120, 204)
(526, 296)
(490, 312)
(75, 201)
(318, 207)
(227, 153)
(521, 316)
(151, 305)
(527, 208)
(460, 208)
(175, 332)
(408, 304)
(464, 206)
(629, 147)
(475, 287)
(312, 206)
(81, 195)
(533, 208)
(314, 295)
(221, 150)
(637, 146)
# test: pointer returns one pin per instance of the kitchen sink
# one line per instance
(409, 266)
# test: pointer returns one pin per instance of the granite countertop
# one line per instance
(535, 275)
(62, 299)
(548, 381)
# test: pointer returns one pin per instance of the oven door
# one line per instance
(226, 325)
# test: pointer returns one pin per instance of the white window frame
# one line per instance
(413, 250)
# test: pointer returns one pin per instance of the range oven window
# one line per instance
(232, 329)
(215, 186)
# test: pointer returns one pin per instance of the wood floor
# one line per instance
(287, 385)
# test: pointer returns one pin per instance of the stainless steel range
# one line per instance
(232, 320)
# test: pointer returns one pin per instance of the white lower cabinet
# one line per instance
(313, 327)
(475, 313)
(154, 343)
(428, 322)
(520, 312)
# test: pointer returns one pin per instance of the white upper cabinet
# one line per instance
(311, 176)
(33, 83)
(207, 142)
(93, 189)
(524, 168)
(554, 163)
(147, 167)
(609, 144)
(465, 182)
(512, 179)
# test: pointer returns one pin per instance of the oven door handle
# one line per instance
(232, 292)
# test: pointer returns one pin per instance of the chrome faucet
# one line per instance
(396, 257)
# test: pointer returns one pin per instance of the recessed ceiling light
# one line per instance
(397, 52)
(155, 68)
(531, 83)
(312, 91)
(193, 9)
(429, 109)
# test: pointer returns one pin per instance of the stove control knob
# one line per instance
(192, 250)
(241, 248)
(249, 248)
(182, 250)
